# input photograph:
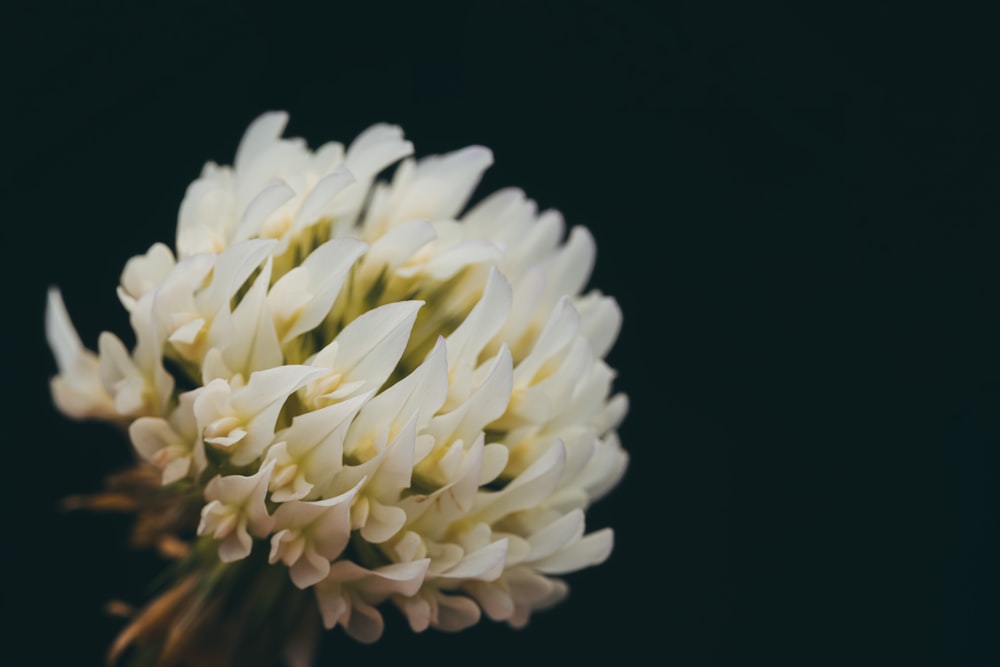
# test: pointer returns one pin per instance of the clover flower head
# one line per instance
(358, 393)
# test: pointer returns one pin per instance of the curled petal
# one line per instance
(77, 389)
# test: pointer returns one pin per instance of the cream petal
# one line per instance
(207, 213)
(495, 213)
(318, 279)
(261, 350)
(334, 605)
(144, 272)
(581, 444)
(527, 587)
(389, 251)
(365, 624)
(409, 546)
(369, 348)
(541, 239)
(418, 611)
(600, 321)
(235, 546)
(187, 334)
(77, 390)
(318, 200)
(327, 526)
(556, 535)
(121, 378)
(275, 195)
(495, 457)
(567, 271)
(396, 579)
(590, 550)
(312, 429)
(493, 597)
(236, 508)
(394, 472)
(383, 522)
(376, 148)
(482, 323)
(261, 133)
(527, 292)
(267, 387)
(455, 613)
(313, 444)
(559, 332)
(528, 489)
(422, 392)
(612, 414)
(486, 564)
(327, 157)
(448, 262)
(588, 397)
(176, 470)
(605, 469)
(151, 435)
(442, 185)
(230, 271)
(487, 403)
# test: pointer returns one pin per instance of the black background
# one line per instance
(797, 211)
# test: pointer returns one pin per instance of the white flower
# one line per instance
(241, 419)
(409, 403)
(173, 445)
(349, 594)
(235, 508)
(310, 534)
(77, 389)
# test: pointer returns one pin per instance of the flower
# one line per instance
(391, 399)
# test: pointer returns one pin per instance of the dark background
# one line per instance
(797, 211)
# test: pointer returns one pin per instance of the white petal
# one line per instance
(272, 385)
(556, 535)
(150, 435)
(319, 279)
(231, 270)
(121, 378)
(600, 322)
(369, 347)
(486, 318)
(418, 611)
(487, 403)
(333, 605)
(389, 251)
(456, 612)
(397, 578)
(442, 185)
(448, 262)
(262, 132)
(591, 550)
(322, 194)
(528, 489)
(422, 392)
(144, 272)
(260, 208)
(254, 344)
(376, 148)
(494, 598)
(568, 270)
(605, 469)
(383, 522)
(207, 213)
(495, 457)
(77, 390)
(486, 564)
